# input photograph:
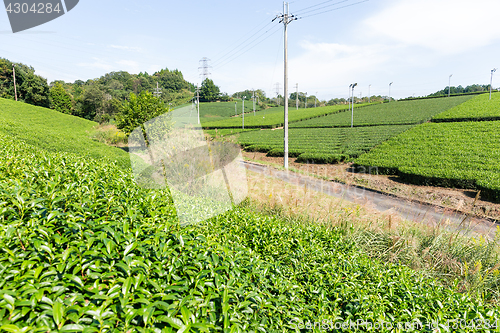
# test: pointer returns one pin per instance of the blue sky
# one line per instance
(416, 44)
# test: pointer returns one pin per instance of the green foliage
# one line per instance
(140, 109)
(401, 112)
(31, 88)
(475, 88)
(463, 155)
(60, 100)
(209, 92)
(90, 103)
(55, 131)
(332, 144)
(82, 248)
(478, 108)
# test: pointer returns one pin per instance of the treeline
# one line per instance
(96, 99)
(461, 90)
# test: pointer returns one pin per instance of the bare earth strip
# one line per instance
(456, 199)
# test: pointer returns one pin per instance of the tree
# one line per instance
(209, 92)
(60, 100)
(140, 109)
(90, 103)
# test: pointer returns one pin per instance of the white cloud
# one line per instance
(97, 64)
(446, 26)
(126, 48)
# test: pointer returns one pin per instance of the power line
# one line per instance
(331, 10)
(235, 49)
(248, 48)
(305, 10)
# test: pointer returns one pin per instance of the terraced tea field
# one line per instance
(273, 118)
(462, 154)
(320, 145)
(477, 109)
(395, 113)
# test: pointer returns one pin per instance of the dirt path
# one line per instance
(415, 211)
(455, 199)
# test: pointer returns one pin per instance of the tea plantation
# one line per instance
(461, 154)
(273, 118)
(83, 249)
(321, 145)
(395, 113)
(478, 109)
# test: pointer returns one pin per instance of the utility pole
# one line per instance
(491, 80)
(243, 113)
(306, 101)
(369, 86)
(297, 96)
(204, 67)
(349, 99)
(449, 85)
(390, 84)
(14, 73)
(352, 112)
(157, 91)
(315, 99)
(286, 19)
(198, 102)
(253, 98)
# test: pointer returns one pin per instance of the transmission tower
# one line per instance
(204, 68)
(278, 91)
(157, 91)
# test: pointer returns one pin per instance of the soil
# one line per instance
(462, 200)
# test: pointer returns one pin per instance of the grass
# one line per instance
(461, 259)
(55, 131)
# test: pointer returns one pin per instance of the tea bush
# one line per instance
(83, 249)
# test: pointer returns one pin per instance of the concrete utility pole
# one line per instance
(157, 91)
(253, 98)
(352, 112)
(14, 73)
(349, 99)
(198, 102)
(297, 96)
(286, 19)
(390, 84)
(449, 85)
(491, 80)
(243, 113)
(306, 102)
(315, 99)
(369, 86)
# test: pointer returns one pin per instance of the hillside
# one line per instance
(55, 131)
